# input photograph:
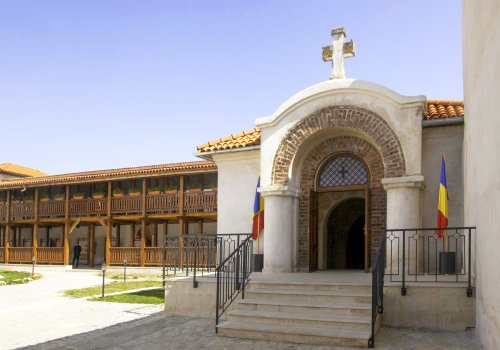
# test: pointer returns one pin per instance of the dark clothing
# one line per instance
(77, 249)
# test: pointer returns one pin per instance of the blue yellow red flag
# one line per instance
(258, 213)
(442, 214)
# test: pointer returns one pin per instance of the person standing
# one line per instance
(77, 249)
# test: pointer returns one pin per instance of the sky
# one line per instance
(89, 84)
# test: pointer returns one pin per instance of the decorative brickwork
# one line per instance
(313, 161)
(368, 122)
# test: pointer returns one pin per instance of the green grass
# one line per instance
(13, 275)
(152, 296)
(111, 288)
(132, 276)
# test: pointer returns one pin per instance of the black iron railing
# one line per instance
(198, 254)
(422, 255)
(232, 276)
(378, 268)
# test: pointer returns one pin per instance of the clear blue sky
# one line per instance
(90, 85)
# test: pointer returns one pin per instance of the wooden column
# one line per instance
(118, 235)
(200, 226)
(107, 251)
(7, 229)
(91, 244)
(34, 238)
(143, 242)
(65, 234)
(47, 236)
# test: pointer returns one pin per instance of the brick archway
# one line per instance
(365, 121)
(312, 164)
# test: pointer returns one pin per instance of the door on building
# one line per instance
(339, 215)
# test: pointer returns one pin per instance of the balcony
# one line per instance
(165, 203)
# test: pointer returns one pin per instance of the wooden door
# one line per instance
(313, 231)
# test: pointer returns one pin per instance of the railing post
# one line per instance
(469, 284)
(217, 297)
(244, 270)
(403, 287)
(164, 259)
(195, 283)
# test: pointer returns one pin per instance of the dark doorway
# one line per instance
(346, 239)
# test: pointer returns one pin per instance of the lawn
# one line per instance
(132, 276)
(17, 277)
(151, 296)
(111, 288)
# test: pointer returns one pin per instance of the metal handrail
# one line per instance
(377, 270)
(232, 276)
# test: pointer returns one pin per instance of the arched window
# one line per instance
(343, 171)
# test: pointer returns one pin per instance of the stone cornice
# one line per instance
(411, 181)
(282, 191)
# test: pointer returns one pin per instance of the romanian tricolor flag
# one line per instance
(258, 213)
(442, 216)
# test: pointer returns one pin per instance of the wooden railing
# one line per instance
(2, 254)
(3, 211)
(53, 255)
(118, 254)
(162, 203)
(153, 256)
(22, 210)
(20, 254)
(88, 206)
(204, 201)
(51, 208)
(126, 205)
(200, 201)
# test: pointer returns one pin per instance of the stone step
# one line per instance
(298, 306)
(365, 287)
(294, 334)
(309, 295)
(301, 319)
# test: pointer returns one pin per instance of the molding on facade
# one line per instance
(412, 181)
(280, 191)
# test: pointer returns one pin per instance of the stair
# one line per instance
(332, 314)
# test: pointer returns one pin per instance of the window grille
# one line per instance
(343, 171)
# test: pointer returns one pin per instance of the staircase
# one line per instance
(308, 312)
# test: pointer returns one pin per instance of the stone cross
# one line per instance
(337, 52)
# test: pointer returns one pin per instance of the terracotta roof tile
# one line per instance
(112, 173)
(19, 170)
(442, 109)
(240, 140)
(436, 109)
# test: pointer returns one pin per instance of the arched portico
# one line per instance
(295, 145)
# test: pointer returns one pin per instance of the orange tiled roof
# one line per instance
(442, 109)
(436, 109)
(241, 140)
(19, 170)
(112, 173)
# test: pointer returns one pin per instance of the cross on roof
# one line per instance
(337, 52)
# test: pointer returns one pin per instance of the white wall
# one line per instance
(435, 141)
(238, 173)
(481, 55)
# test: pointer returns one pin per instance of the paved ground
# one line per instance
(37, 312)
(163, 332)
(37, 316)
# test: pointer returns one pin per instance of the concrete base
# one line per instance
(184, 300)
(442, 307)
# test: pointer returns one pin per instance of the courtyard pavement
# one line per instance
(37, 316)
(38, 312)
